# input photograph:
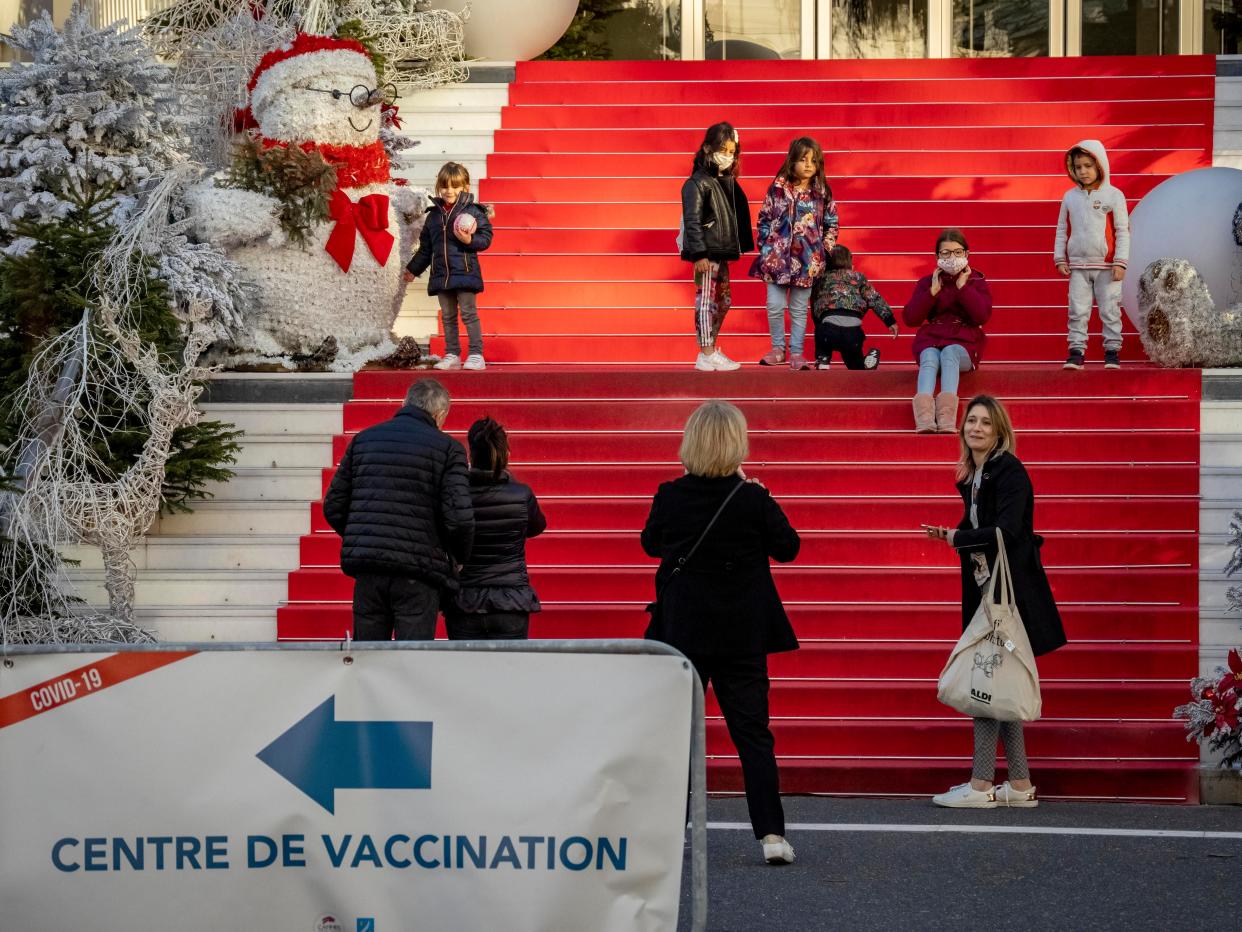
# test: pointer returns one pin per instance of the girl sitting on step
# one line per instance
(797, 223)
(950, 307)
(715, 230)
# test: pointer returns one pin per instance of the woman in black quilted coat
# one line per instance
(496, 598)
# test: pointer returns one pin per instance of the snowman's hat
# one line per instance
(308, 56)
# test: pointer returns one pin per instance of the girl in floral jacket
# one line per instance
(797, 224)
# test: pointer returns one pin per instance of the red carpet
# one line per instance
(585, 181)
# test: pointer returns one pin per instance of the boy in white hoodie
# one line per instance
(1092, 248)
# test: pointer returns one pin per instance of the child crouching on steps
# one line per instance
(456, 230)
(838, 302)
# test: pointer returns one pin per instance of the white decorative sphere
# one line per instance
(465, 224)
(1190, 217)
(512, 30)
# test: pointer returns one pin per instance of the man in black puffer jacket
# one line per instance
(400, 500)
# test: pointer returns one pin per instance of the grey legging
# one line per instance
(987, 730)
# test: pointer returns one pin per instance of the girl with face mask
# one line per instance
(715, 230)
(949, 307)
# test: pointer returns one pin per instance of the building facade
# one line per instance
(732, 29)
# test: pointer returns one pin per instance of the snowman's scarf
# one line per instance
(356, 166)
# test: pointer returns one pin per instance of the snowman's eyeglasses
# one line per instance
(362, 96)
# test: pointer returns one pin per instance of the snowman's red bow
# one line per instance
(368, 218)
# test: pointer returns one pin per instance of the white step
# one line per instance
(263, 483)
(421, 168)
(284, 451)
(279, 420)
(1225, 140)
(412, 100)
(1227, 159)
(1215, 515)
(220, 518)
(1220, 417)
(180, 624)
(451, 145)
(201, 552)
(1220, 449)
(1228, 90)
(448, 119)
(1220, 482)
(198, 588)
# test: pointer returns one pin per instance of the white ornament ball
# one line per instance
(465, 225)
(1190, 217)
(512, 30)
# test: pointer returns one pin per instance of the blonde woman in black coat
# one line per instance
(997, 493)
(722, 609)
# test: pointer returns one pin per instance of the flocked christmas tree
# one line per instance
(105, 307)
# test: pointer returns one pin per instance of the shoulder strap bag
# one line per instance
(654, 628)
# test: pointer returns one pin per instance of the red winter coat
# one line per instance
(953, 315)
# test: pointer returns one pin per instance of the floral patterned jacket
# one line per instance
(795, 229)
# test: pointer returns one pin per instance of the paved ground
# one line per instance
(898, 879)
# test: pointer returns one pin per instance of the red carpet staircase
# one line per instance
(585, 181)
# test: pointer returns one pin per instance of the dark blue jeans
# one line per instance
(488, 626)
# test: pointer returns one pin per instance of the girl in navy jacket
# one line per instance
(456, 231)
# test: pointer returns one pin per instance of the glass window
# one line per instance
(1222, 27)
(1002, 28)
(753, 28)
(630, 29)
(879, 28)
(1129, 27)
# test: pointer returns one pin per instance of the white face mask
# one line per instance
(953, 264)
(722, 160)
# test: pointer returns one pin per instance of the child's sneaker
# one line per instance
(1112, 359)
(1076, 360)
(1006, 795)
(704, 363)
(723, 363)
(964, 796)
(798, 363)
(823, 362)
(872, 359)
(451, 361)
(773, 357)
(474, 362)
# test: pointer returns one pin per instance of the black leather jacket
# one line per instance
(715, 218)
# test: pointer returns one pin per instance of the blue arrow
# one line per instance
(320, 755)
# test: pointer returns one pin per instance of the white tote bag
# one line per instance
(991, 672)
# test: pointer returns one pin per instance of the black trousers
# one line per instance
(487, 626)
(741, 685)
(387, 604)
(848, 341)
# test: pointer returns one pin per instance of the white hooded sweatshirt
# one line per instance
(1093, 229)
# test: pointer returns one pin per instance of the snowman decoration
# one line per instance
(337, 294)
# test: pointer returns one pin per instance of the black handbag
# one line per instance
(655, 627)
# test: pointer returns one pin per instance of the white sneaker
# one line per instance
(1006, 795)
(776, 850)
(705, 363)
(474, 362)
(449, 362)
(963, 796)
(723, 363)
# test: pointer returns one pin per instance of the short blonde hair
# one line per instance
(715, 442)
(1006, 439)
